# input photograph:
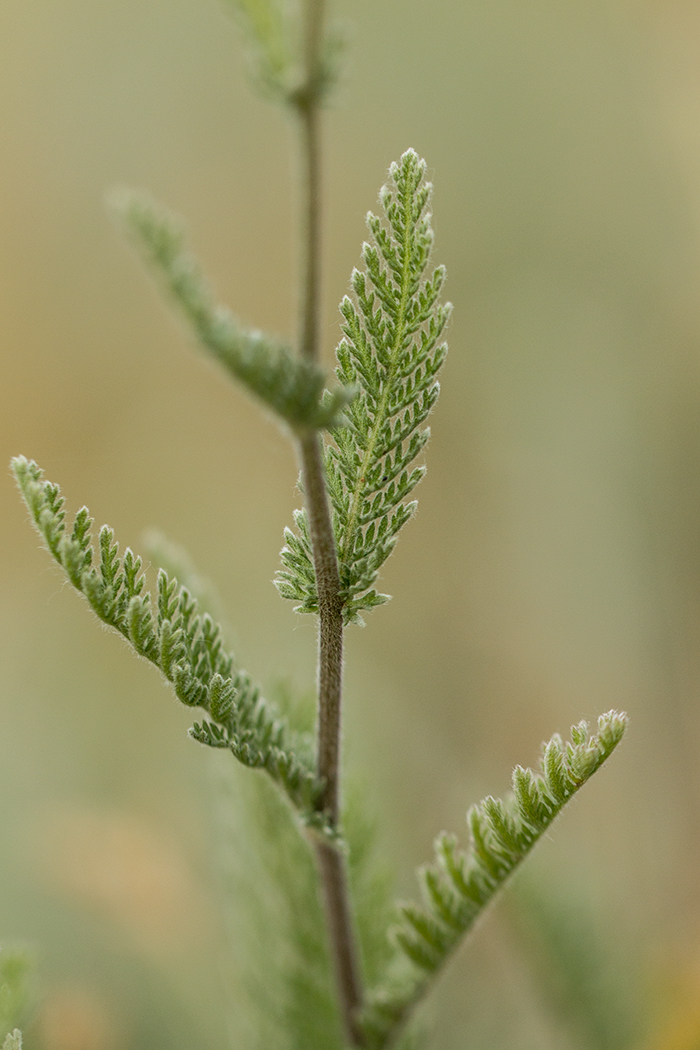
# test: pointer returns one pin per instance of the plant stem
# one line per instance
(330, 635)
(331, 863)
(307, 107)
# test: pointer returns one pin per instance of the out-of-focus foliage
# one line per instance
(275, 34)
(589, 981)
(278, 936)
(15, 965)
(292, 388)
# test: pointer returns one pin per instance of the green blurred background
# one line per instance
(552, 572)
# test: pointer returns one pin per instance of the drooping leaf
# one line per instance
(186, 646)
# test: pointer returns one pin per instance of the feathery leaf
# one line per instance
(391, 353)
(185, 646)
(458, 887)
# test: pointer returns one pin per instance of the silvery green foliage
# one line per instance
(274, 914)
(13, 1040)
(391, 353)
(388, 362)
(294, 389)
(458, 887)
(185, 646)
(276, 918)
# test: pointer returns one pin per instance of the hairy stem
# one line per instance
(331, 864)
(330, 647)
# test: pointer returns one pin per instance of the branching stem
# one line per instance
(331, 863)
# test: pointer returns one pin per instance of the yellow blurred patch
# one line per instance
(678, 1026)
(73, 1018)
(683, 1032)
(130, 872)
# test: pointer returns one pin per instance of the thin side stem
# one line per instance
(331, 863)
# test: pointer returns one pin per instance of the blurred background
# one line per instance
(553, 569)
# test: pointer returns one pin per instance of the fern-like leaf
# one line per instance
(185, 646)
(458, 887)
(391, 353)
(293, 388)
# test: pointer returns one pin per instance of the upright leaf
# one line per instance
(391, 353)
